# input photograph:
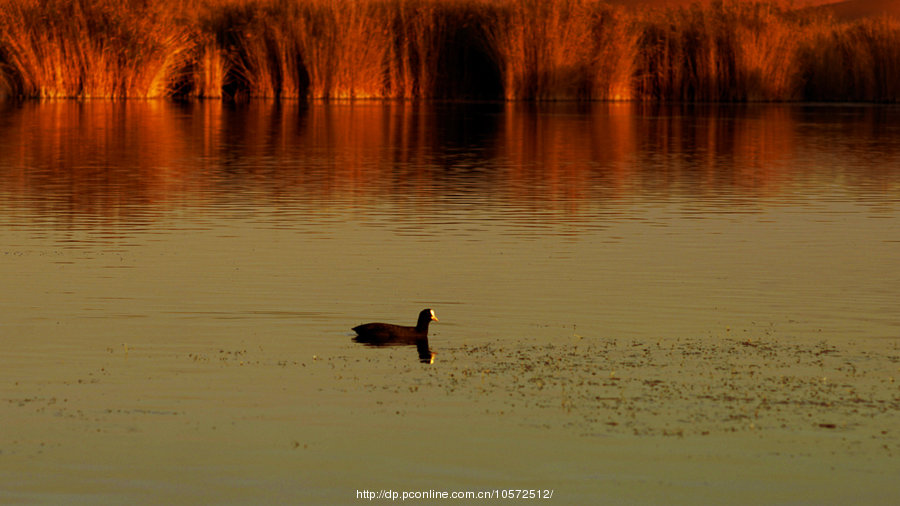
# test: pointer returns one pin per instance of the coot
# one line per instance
(386, 333)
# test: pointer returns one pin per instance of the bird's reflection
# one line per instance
(426, 356)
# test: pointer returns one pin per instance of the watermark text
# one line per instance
(412, 495)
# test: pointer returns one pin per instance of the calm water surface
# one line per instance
(510, 220)
(151, 252)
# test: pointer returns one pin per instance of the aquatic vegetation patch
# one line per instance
(680, 387)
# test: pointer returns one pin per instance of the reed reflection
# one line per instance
(90, 159)
(553, 163)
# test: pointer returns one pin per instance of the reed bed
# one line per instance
(855, 62)
(723, 52)
(422, 49)
(92, 48)
(568, 49)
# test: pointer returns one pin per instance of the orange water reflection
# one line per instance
(557, 162)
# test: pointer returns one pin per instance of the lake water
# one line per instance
(180, 281)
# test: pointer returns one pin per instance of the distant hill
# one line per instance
(846, 9)
(676, 3)
(854, 9)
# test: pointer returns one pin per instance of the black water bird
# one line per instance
(384, 334)
(388, 334)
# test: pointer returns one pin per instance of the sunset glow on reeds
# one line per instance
(456, 49)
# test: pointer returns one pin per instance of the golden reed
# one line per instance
(410, 49)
